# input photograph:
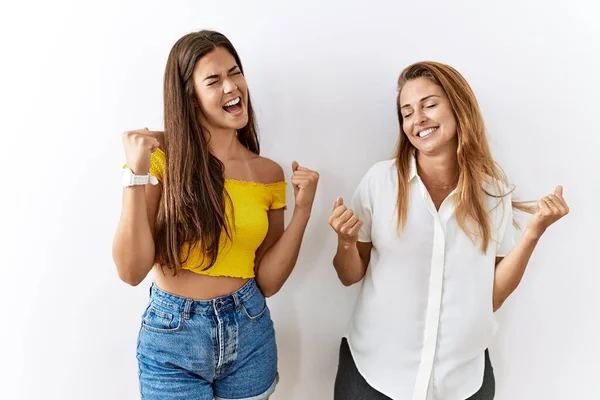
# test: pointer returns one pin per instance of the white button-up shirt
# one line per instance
(424, 316)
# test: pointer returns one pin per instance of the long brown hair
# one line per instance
(475, 162)
(192, 209)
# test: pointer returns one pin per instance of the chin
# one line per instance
(239, 125)
(437, 148)
(228, 122)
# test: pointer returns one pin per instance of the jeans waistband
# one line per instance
(218, 304)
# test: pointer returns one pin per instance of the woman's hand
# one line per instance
(551, 208)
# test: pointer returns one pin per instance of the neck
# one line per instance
(223, 143)
(439, 170)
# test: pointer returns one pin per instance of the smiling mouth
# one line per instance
(426, 132)
(234, 106)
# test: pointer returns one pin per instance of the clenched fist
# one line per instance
(305, 183)
(139, 145)
(345, 223)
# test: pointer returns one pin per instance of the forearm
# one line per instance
(133, 244)
(277, 264)
(510, 270)
(348, 264)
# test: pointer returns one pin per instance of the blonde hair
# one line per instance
(475, 162)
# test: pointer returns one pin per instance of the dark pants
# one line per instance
(350, 385)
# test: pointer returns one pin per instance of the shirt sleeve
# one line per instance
(278, 193)
(361, 205)
(510, 233)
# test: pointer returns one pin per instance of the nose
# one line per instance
(229, 86)
(420, 117)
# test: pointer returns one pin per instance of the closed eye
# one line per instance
(213, 82)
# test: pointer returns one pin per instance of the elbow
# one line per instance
(348, 274)
(496, 304)
(130, 273)
(269, 291)
(130, 279)
(130, 276)
(131, 270)
(346, 282)
(349, 281)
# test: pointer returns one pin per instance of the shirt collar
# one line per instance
(412, 165)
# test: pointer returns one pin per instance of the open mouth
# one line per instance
(234, 106)
(426, 132)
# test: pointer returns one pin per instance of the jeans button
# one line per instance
(219, 305)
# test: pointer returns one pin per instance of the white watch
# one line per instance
(130, 179)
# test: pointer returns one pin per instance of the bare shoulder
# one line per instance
(268, 170)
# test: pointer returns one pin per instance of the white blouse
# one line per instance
(424, 315)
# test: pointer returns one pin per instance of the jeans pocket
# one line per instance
(255, 306)
(157, 319)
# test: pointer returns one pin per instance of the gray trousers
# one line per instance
(350, 385)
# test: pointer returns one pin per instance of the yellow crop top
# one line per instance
(251, 202)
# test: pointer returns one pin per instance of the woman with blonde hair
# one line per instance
(431, 235)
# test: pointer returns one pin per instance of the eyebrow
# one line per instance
(420, 101)
(214, 76)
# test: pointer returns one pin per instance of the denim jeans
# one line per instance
(222, 348)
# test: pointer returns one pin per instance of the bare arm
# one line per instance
(351, 261)
(510, 269)
(352, 257)
(277, 255)
(133, 243)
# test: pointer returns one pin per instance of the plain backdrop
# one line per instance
(322, 75)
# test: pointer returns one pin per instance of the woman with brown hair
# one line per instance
(205, 212)
(432, 234)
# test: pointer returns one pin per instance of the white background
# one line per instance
(75, 74)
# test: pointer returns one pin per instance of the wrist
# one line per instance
(533, 234)
(140, 170)
(302, 214)
(346, 244)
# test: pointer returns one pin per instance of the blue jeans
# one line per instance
(221, 349)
